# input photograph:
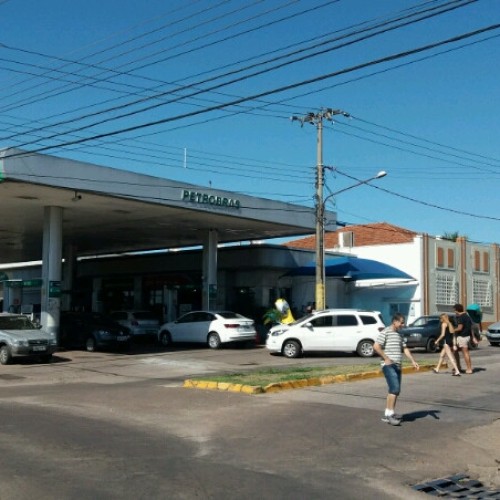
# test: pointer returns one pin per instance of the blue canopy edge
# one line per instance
(353, 269)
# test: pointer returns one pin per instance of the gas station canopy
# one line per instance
(106, 210)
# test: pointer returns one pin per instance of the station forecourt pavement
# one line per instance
(450, 424)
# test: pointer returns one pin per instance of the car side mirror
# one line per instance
(307, 325)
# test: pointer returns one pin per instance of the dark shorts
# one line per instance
(392, 374)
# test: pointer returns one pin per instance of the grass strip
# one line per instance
(277, 375)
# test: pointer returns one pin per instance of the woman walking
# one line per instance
(448, 335)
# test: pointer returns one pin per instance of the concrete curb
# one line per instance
(293, 384)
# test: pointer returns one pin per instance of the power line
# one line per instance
(429, 13)
(420, 202)
(276, 90)
(183, 32)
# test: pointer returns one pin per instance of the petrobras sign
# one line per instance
(209, 199)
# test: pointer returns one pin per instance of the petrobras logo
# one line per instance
(209, 199)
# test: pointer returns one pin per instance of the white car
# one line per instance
(138, 322)
(493, 333)
(208, 327)
(346, 330)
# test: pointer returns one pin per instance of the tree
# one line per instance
(451, 236)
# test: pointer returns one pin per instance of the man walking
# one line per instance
(463, 333)
(390, 347)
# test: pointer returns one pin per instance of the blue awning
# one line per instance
(353, 269)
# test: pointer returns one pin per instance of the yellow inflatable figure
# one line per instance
(284, 309)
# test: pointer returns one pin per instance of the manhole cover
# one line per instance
(8, 376)
(457, 486)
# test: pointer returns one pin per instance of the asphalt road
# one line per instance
(103, 425)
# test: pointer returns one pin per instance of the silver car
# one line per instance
(20, 337)
(143, 323)
(493, 333)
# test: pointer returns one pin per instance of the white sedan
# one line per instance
(208, 327)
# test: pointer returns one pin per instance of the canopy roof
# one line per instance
(107, 210)
(353, 269)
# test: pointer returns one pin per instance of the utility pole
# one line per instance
(317, 120)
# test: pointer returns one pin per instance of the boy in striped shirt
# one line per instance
(390, 347)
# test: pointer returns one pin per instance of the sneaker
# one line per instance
(393, 420)
(385, 418)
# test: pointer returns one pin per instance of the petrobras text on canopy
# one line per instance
(209, 199)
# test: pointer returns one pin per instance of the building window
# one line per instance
(486, 262)
(481, 261)
(446, 289)
(481, 292)
(477, 261)
(451, 258)
(440, 257)
(449, 255)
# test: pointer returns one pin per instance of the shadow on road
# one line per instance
(411, 417)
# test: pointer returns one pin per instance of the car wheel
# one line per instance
(5, 355)
(213, 340)
(365, 349)
(431, 345)
(165, 339)
(291, 349)
(90, 344)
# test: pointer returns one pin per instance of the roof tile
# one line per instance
(380, 233)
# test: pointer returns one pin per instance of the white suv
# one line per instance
(346, 330)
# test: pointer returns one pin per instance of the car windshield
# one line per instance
(423, 321)
(99, 318)
(303, 319)
(16, 323)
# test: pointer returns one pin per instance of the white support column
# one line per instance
(68, 277)
(52, 268)
(209, 270)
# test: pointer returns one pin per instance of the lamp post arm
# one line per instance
(382, 173)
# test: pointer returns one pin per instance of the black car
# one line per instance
(92, 331)
(423, 332)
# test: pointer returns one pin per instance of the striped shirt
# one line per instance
(392, 343)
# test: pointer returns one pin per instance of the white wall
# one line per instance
(379, 295)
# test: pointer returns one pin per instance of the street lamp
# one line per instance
(320, 241)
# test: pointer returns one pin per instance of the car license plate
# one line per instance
(121, 338)
(39, 348)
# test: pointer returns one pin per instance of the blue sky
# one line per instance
(202, 92)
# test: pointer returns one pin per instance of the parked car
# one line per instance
(211, 327)
(346, 330)
(423, 332)
(20, 337)
(92, 331)
(143, 323)
(493, 333)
